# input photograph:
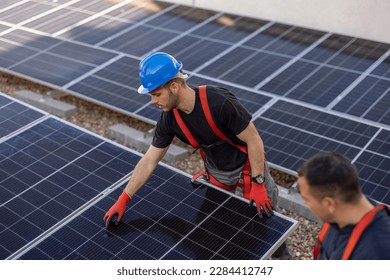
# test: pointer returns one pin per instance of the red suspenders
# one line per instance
(355, 235)
(194, 143)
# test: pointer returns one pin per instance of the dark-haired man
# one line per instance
(355, 227)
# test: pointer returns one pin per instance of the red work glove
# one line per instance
(259, 195)
(117, 209)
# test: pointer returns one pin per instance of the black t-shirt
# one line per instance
(228, 114)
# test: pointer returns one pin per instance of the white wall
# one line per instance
(368, 19)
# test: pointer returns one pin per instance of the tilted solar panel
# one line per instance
(168, 219)
(48, 171)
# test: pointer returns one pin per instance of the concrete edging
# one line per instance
(45, 103)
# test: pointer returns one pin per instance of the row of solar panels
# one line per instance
(307, 90)
(92, 48)
(57, 181)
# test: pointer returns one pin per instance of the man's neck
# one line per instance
(351, 214)
(186, 102)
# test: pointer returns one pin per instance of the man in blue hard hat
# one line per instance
(210, 119)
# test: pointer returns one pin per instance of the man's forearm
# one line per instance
(142, 171)
(256, 158)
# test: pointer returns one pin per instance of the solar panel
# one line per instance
(228, 28)
(311, 83)
(48, 171)
(15, 115)
(284, 39)
(245, 66)
(347, 52)
(293, 133)
(92, 50)
(167, 219)
(370, 99)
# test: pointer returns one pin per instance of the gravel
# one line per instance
(97, 119)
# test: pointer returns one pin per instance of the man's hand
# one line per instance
(117, 209)
(259, 195)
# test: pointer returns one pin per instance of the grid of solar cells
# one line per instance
(3, 27)
(6, 3)
(293, 133)
(47, 172)
(381, 144)
(167, 219)
(327, 70)
(116, 84)
(311, 83)
(383, 69)
(370, 99)
(14, 115)
(95, 21)
(24, 11)
(196, 48)
(158, 30)
(374, 175)
(374, 166)
(47, 59)
(228, 28)
(261, 55)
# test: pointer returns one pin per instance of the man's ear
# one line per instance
(174, 87)
(329, 203)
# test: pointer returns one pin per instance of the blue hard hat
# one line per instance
(156, 69)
